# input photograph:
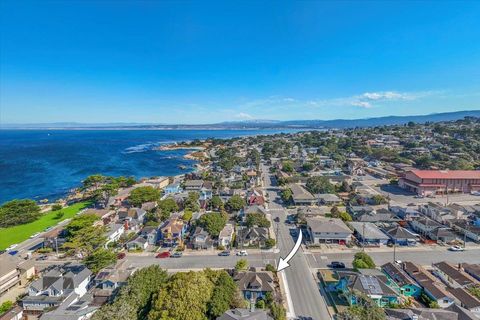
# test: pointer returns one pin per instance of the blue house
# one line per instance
(173, 188)
(400, 281)
(350, 285)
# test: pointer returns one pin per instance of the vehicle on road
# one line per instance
(42, 258)
(456, 248)
(13, 246)
(13, 252)
(176, 255)
(242, 253)
(419, 196)
(34, 235)
(224, 253)
(121, 255)
(337, 265)
(277, 219)
(162, 255)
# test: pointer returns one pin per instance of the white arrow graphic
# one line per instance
(283, 263)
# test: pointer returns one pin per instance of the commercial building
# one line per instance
(426, 182)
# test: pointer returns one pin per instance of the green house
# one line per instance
(400, 281)
(351, 285)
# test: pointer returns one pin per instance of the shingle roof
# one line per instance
(327, 225)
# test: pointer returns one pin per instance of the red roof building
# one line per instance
(425, 182)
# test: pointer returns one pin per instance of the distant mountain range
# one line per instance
(258, 124)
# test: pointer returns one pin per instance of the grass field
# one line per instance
(17, 234)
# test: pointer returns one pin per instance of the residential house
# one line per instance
(432, 229)
(106, 216)
(356, 211)
(15, 313)
(401, 281)
(313, 211)
(139, 243)
(132, 213)
(114, 232)
(401, 236)
(440, 213)
(465, 228)
(328, 199)
(328, 230)
(9, 274)
(454, 277)
(149, 206)
(173, 188)
(252, 237)
(72, 308)
(466, 300)
(56, 285)
(225, 238)
(472, 269)
(151, 234)
(206, 191)
(405, 213)
(301, 196)
(254, 284)
(245, 314)
(200, 239)
(255, 197)
(172, 232)
(193, 185)
(372, 286)
(431, 287)
(368, 234)
(158, 183)
(422, 314)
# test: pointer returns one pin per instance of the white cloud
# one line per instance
(363, 104)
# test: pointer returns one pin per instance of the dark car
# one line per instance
(225, 253)
(337, 265)
(42, 258)
(121, 255)
(277, 219)
(165, 254)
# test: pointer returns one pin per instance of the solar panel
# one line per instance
(371, 285)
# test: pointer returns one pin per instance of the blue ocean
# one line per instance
(46, 164)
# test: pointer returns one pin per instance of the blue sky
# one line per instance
(204, 62)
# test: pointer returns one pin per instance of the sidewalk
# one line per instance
(342, 249)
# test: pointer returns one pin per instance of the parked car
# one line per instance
(42, 258)
(456, 248)
(121, 255)
(277, 219)
(176, 255)
(242, 253)
(337, 265)
(419, 196)
(224, 253)
(162, 255)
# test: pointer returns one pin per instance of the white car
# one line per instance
(242, 253)
(456, 248)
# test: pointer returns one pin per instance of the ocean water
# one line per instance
(39, 164)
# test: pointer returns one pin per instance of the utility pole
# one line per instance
(56, 245)
(394, 250)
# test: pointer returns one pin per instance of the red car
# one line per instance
(121, 255)
(165, 254)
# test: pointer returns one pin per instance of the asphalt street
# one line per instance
(305, 296)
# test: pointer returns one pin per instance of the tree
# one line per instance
(379, 199)
(134, 299)
(213, 223)
(287, 195)
(362, 260)
(335, 212)
(345, 187)
(18, 212)
(4, 307)
(241, 264)
(141, 195)
(257, 219)
(287, 166)
(270, 268)
(80, 222)
(185, 298)
(364, 309)
(236, 203)
(56, 207)
(269, 243)
(168, 206)
(345, 216)
(278, 312)
(216, 202)
(100, 259)
(222, 296)
(86, 240)
(187, 215)
(191, 203)
(308, 166)
(320, 185)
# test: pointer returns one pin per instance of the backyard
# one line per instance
(17, 234)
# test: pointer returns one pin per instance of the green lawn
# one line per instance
(17, 234)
